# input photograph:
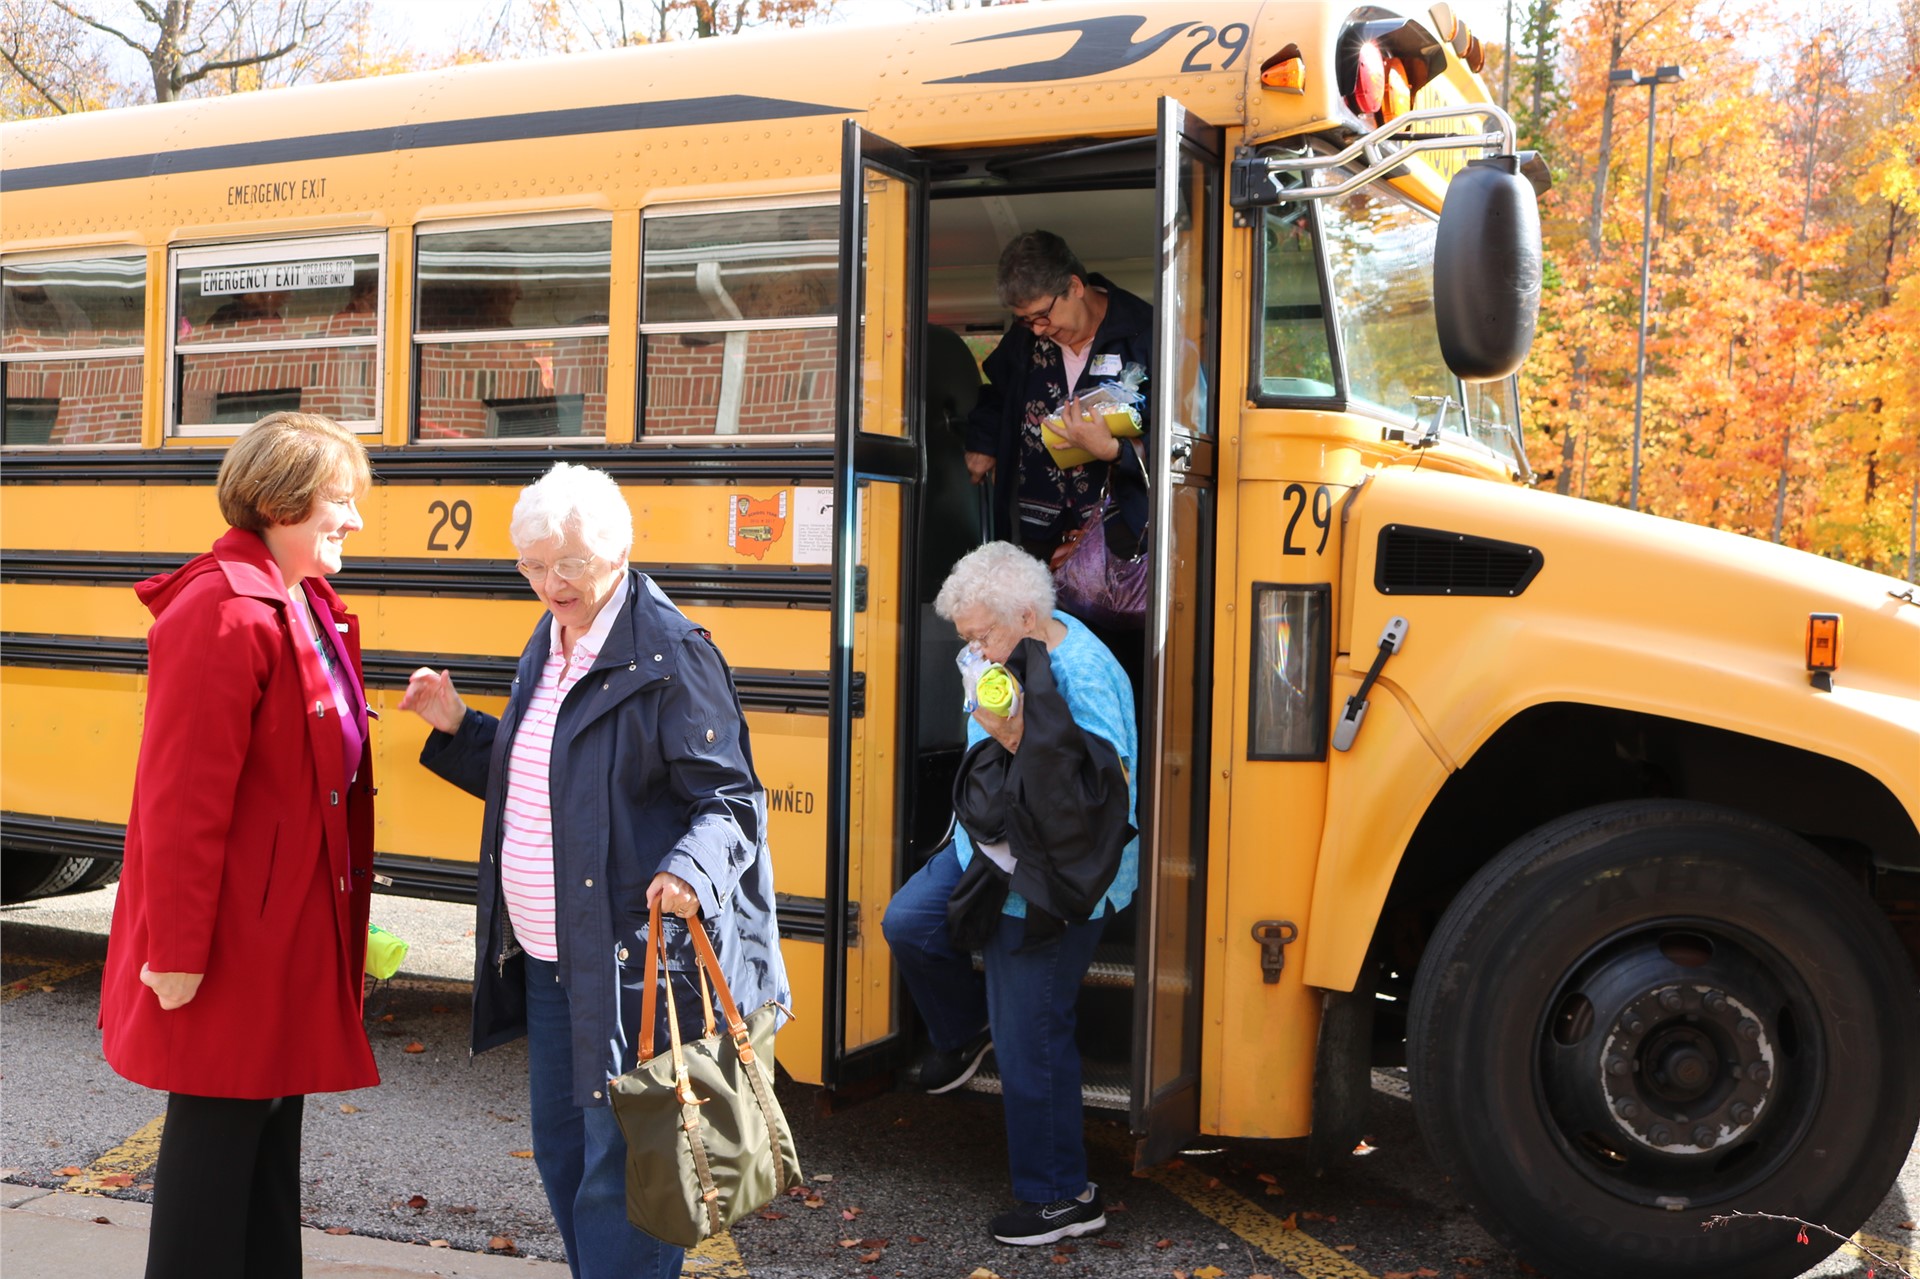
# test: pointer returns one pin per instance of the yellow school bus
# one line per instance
(1607, 827)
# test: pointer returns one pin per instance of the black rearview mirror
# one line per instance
(1486, 270)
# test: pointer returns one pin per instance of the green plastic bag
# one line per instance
(385, 952)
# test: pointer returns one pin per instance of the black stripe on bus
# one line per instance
(621, 117)
(801, 918)
(810, 463)
(484, 579)
(792, 692)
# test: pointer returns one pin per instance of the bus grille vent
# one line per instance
(1431, 561)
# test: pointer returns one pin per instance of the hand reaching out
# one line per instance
(432, 696)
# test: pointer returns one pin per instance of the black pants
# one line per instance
(226, 1190)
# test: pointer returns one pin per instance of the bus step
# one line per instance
(1103, 1085)
(1112, 967)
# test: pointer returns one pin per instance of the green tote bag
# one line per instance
(707, 1142)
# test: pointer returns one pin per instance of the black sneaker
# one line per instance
(945, 1071)
(1033, 1223)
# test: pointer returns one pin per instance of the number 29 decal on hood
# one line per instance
(1106, 45)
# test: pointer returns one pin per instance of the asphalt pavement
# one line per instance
(430, 1174)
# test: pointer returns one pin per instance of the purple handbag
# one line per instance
(1099, 587)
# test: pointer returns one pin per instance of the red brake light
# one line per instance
(1369, 79)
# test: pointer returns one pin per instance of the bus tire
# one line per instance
(26, 875)
(1649, 1013)
(100, 872)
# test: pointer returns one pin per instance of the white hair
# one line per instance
(574, 499)
(999, 577)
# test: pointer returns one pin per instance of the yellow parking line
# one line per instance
(52, 975)
(124, 1164)
(1898, 1253)
(1308, 1257)
(717, 1258)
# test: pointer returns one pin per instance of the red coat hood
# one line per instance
(249, 569)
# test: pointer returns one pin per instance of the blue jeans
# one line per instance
(579, 1150)
(1027, 997)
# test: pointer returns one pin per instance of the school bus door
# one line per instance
(883, 216)
(1176, 725)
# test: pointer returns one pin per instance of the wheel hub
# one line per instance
(1699, 1069)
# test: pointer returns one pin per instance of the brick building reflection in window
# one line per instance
(70, 350)
(739, 321)
(510, 331)
(294, 324)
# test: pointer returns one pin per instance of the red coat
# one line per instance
(249, 854)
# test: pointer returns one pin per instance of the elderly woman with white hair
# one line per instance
(618, 774)
(1023, 1008)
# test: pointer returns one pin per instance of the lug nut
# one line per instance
(1616, 1065)
(1636, 1026)
(1670, 1000)
(1627, 1108)
(1660, 1135)
(1715, 1002)
(1759, 1072)
(1742, 1113)
(1703, 1137)
(1749, 1028)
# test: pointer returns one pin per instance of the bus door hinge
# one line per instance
(1274, 936)
(1348, 727)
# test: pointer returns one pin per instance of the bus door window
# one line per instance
(739, 321)
(1292, 358)
(71, 350)
(510, 331)
(264, 327)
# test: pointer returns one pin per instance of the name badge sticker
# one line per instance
(1106, 366)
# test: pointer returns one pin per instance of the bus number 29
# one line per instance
(459, 517)
(1322, 516)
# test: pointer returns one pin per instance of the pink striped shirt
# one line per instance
(526, 847)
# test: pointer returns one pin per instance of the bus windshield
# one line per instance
(1378, 269)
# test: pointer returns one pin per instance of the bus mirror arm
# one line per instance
(1262, 179)
(1355, 713)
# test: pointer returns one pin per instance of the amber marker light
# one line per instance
(1823, 649)
(1398, 98)
(1285, 71)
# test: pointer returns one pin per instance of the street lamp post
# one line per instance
(1653, 80)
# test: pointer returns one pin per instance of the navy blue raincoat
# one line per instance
(651, 771)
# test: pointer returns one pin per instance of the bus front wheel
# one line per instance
(1648, 1014)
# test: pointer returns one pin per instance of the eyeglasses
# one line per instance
(570, 569)
(1038, 317)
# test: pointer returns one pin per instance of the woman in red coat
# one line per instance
(233, 974)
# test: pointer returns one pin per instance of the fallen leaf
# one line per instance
(464, 1210)
(1290, 1222)
(417, 1202)
(1908, 1225)
(823, 1176)
(1208, 1272)
(848, 1214)
(1062, 1259)
(521, 1154)
(438, 1243)
(1344, 1247)
(1108, 1243)
(68, 1171)
(768, 1214)
(117, 1179)
(1213, 1183)
(814, 1201)
(386, 1017)
(348, 1108)
(981, 1272)
(849, 1243)
(102, 1221)
(46, 990)
(1275, 1190)
(916, 1238)
(873, 1243)
(1269, 1178)
(1179, 1274)
(868, 1258)
(339, 1230)
(415, 1047)
(1163, 1243)
(500, 1243)
(1364, 1149)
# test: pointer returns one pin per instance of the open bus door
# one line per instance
(883, 218)
(1176, 723)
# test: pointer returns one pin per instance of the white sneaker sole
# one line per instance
(973, 1068)
(1054, 1236)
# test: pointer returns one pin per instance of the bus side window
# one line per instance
(90, 307)
(511, 330)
